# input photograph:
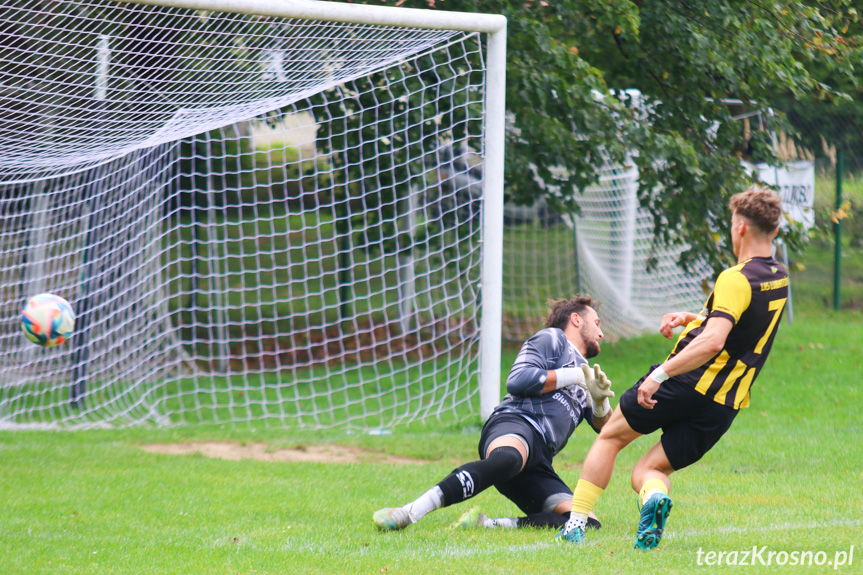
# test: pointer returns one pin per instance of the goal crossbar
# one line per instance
(348, 13)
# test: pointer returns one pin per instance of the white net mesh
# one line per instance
(254, 218)
(603, 252)
(88, 81)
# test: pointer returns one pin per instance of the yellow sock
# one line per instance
(651, 485)
(585, 496)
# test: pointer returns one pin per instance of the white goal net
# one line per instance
(606, 251)
(254, 217)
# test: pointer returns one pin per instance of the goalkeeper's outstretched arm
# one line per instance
(530, 376)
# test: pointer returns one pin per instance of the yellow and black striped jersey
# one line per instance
(752, 295)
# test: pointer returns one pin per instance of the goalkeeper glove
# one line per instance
(599, 387)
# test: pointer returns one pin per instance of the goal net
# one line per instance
(606, 251)
(255, 217)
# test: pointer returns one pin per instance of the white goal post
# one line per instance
(260, 210)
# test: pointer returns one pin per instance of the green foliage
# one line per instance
(830, 117)
(684, 59)
(851, 212)
(379, 141)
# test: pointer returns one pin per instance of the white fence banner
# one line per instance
(796, 184)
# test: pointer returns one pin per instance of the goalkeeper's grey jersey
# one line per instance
(556, 414)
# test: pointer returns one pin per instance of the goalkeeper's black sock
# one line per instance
(553, 520)
(502, 464)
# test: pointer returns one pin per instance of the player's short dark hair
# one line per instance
(760, 205)
(560, 310)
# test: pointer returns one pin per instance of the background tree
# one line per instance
(568, 62)
(836, 118)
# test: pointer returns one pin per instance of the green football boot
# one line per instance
(472, 517)
(391, 518)
(654, 514)
(574, 535)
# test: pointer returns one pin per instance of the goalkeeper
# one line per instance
(551, 389)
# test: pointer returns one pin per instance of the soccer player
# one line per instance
(551, 389)
(694, 395)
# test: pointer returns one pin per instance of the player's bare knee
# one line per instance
(617, 434)
(559, 503)
(636, 479)
(648, 468)
(564, 507)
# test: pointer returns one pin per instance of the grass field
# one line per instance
(787, 476)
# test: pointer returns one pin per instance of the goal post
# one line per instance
(492, 276)
(283, 210)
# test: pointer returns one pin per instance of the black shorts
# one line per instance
(691, 423)
(537, 488)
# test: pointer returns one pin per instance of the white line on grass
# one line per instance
(765, 528)
(460, 550)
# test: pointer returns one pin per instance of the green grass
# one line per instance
(825, 189)
(787, 476)
(531, 254)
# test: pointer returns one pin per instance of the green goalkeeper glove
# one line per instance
(599, 387)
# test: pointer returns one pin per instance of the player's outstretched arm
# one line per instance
(706, 345)
(531, 375)
(673, 320)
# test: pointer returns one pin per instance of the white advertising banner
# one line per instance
(795, 182)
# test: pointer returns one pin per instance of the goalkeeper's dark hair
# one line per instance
(560, 310)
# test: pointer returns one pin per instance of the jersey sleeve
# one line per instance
(530, 369)
(731, 295)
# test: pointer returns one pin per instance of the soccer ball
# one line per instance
(47, 320)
